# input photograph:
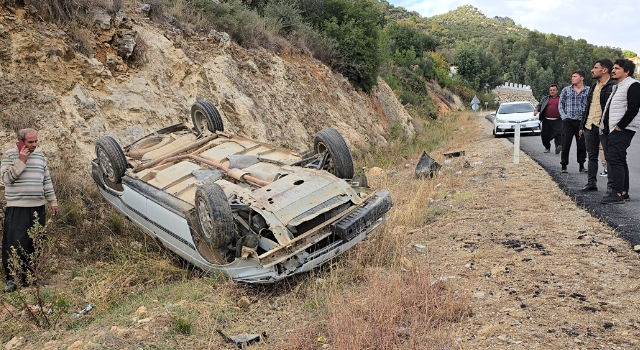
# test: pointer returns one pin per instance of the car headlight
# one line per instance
(534, 119)
(498, 120)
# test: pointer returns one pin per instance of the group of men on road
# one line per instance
(603, 118)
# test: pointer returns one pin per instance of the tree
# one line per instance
(629, 54)
(540, 85)
(356, 26)
(468, 63)
(516, 72)
(403, 36)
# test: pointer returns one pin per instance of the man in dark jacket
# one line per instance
(589, 127)
(550, 118)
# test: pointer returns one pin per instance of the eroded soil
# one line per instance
(542, 272)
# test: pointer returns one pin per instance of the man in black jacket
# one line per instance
(589, 127)
(550, 118)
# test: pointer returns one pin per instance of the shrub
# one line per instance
(41, 306)
(16, 122)
(139, 56)
(83, 38)
(355, 25)
(283, 16)
(320, 46)
(156, 11)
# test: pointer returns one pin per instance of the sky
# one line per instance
(617, 25)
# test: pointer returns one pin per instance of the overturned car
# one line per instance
(255, 212)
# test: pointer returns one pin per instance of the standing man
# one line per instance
(28, 185)
(550, 118)
(619, 124)
(573, 101)
(590, 127)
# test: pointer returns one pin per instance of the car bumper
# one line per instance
(510, 128)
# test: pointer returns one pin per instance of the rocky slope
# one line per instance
(74, 99)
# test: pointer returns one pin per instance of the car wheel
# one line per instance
(111, 159)
(205, 114)
(215, 220)
(339, 160)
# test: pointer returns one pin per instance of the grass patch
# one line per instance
(370, 297)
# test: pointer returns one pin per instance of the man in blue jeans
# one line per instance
(590, 127)
(573, 102)
(619, 124)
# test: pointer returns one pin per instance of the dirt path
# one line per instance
(542, 272)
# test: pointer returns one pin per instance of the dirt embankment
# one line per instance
(74, 99)
(542, 273)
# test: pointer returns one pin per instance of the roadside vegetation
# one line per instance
(369, 297)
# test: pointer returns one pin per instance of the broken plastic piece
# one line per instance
(427, 166)
(83, 312)
(454, 154)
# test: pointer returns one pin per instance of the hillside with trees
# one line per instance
(489, 51)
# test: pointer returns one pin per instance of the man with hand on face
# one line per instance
(590, 127)
(573, 102)
(619, 124)
(550, 118)
(28, 186)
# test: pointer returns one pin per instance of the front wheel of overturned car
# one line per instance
(111, 159)
(205, 114)
(215, 220)
(339, 161)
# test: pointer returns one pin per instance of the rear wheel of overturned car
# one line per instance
(205, 115)
(111, 159)
(339, 161)
(215, 220)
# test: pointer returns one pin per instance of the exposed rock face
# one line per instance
(73, 99)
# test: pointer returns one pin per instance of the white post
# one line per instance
(516, 145)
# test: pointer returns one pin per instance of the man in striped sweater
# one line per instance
(27, 187)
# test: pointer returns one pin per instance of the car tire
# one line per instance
(340, 161)
(204, 110)
(215, 220)
(111, 159)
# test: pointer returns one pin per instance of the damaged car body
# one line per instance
(255, 212)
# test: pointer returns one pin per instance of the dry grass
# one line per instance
(394, 310)
(15, 122)
(372, 297)
(140, 55)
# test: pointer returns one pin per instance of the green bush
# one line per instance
(355, 26)
(283, 16)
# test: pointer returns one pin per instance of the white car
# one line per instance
(255, 212)
(511, 113)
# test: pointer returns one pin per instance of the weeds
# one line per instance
(41, 306)
(389, 309)
(181, 322)
(16, 122)
(140, 55)
(82, 37)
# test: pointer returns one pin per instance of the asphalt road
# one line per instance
(624, 218)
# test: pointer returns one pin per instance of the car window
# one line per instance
(516, 108)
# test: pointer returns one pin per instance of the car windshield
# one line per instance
(516, 108)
